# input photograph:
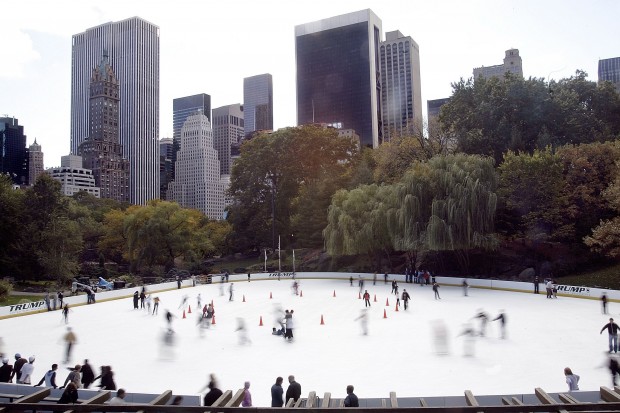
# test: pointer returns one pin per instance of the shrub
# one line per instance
(5, 289)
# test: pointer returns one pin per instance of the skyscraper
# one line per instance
(401, 97)
(258, 103)
(609, 70)
(101, 152)
(228, 131)
(13, 154)
(197, 183)
(133, 47)
(182, 108)
(512, 63)
(35, 162)
(166, 166)
(338, 80)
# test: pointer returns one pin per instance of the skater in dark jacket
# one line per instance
(107, 378)
(406, 297)
(6, 371)
(88, 376)
(612, 330)
(366, 298)
(436, 291)
(136, 298)
(502, 320)
(17, 367)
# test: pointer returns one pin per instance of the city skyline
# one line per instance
(454, 37)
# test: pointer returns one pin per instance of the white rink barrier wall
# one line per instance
(515, 286)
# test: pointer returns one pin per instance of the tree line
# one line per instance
(510, 163)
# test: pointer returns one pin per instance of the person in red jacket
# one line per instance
(366, 297)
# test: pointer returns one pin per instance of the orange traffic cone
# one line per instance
(189, 309)
(322, 322)
(384, 313)
(359, 295)
(387, 302)
(261, 321)
(184, 314)
(270, 295)
(213, 320)
(334, 293)
(244, 298)
(396, 306)
(375, 298)
(211, 303)
(301, 293)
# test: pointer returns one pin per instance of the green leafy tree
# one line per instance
(605, 238)
(357, 222)
(463, 207)
(159, 233)
(492, 116)
(588, 170)
(534, 207)
(268, 178)
(50, 235)
(11, 221)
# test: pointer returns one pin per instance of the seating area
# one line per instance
(22, 398)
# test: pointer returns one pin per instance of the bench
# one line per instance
(98, 398)
(326, 399)
(31, 398)
(11, 397)
(609, 395)
(235, 400)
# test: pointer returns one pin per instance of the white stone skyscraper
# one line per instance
(197, 183)
(133, 48)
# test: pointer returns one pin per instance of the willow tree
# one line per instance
(357, 224)
(463, 207)
(408, 220)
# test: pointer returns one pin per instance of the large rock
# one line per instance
(527, 274)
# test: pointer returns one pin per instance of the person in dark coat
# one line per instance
(136, 298)
(351, 399)
(604, 303)
(70, 395)
(142, 298)
(88, 375)
(612, 329)
(213, 394)
(6, 371)
(107, 378)
(276, 393)
(294, 389)
(17, 367)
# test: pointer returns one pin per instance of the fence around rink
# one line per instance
(23, 398)
(514, 286)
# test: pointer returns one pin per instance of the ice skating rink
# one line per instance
(398, 354)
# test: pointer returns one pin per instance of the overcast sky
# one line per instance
(209, 47)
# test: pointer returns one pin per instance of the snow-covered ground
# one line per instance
(398, 354)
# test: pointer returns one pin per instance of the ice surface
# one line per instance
(398, 354)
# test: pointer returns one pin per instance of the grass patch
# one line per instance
(607, 277)
(19, 299)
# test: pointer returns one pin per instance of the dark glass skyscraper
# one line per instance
(258, 103)
(338, 79)
(13, 153)
(609, 71)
